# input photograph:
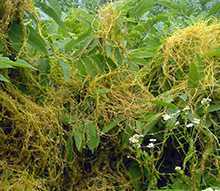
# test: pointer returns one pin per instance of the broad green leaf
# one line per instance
(93, 138)
(51, 12)
(22, 64)
(44, 69)
(90, 66)
(176, 8)
(3, 79)
(16, 35)
(141, 53)
(56, 6)
(214, 107)
(65, 69)
(79, 137)
(36, 41)
(69, 149)
(150, 119)
(82, 40)
(5, 62)
(111, 125)
(195, 73)
(81, 68)
(165, 104)
(142, 7)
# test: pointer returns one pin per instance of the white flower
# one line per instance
(190, 125)
(196, 121)
(187, 108)
(152, 140)
(135, 139)
(150, 145)
(206, 101)
(166, 117)
(177, 123)
(178, 168)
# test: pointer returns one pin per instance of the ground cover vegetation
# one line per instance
(98, 95)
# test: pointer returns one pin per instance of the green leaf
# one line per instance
(66, 70)
(176, 8)
(111, 125)
(5, 63)
(16, 35)
(44, 69)
(142, 7)
(69, 149)
(3, 79)
(90, 67)
(150, 119)
(79, 137)
(93, 138)
(163, 103)
(195, 73)
(51, 13)
(141, 53)
(22, 64)
(36, 41)
(56, 6)
(215, 9)
(214, 107)
(82, 40)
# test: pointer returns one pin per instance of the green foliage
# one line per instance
(109, 96)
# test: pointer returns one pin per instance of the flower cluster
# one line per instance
(136, 140)
(167, 117)
(206, 101)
